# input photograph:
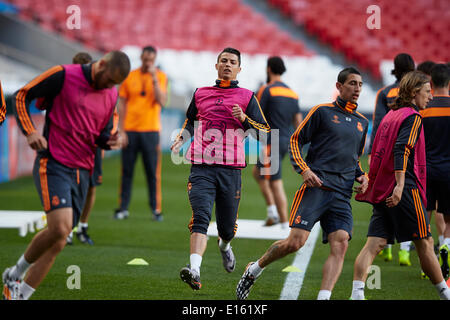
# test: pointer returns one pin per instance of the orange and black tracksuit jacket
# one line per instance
(385, 99)
(2, 105)
(279, 104)
(336, 133)
(407, 137)
(44, 89)
(436, 125)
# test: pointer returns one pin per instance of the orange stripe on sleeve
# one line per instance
(294, 140)
(2, 105)
(413, 133)
(24, 118)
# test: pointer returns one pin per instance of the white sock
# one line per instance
(82, 225)
(272, 211)
(405, 245)
(25, 291)
(443, 290)
(19, 270)
(255, 269)
(285, 225)
(358, 290)
(224, 246)
(441, 240)
(196, 262)
(324, 295)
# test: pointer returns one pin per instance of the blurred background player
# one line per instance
(280, 107)
(426, 67)
(2, 105)
(216, 173)
(66, 152)
(397, 186)
(337, 133)
(403, 63)
(141, 97)
(436, 126)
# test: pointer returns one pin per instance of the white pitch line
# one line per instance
(294, 280)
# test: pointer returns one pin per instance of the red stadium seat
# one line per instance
(414, 26)
(190, 24)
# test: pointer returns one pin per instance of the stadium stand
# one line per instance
(426, 23)
(189, 35)
(171, 24)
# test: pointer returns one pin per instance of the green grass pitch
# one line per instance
(165, 246)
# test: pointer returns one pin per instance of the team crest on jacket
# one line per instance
(336, 119)
(360, 127)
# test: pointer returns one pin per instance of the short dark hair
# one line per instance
(276, 65)
(343, 75)
(440, 75)
(403, 63)
(81, 58)
(426, 67)
(150, 49)
(118, 60)
(232, 51)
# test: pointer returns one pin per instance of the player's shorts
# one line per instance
(60, 186)
(331, 208)
(438, 191)
(209, 184)
(276, 175)
(96, 176)
(404, 222)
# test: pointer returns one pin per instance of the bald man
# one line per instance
(81, 101)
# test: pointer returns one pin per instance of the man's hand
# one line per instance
(36, 141)
(115, 141)
(124, 138)
(152, 70)
(310, 179)
(238, 113)
(364, 183)
(396, 196)
(176, 146)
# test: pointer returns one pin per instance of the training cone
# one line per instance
(291, 269)
(138, 262)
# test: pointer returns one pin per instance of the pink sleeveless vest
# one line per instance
(78, 115)
(381, 172)
(218, 136)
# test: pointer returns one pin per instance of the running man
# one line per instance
(217, 118)
(78, 119)
(141, 97)
(403, 63)
(280, 106)
(397, 186)
(436, 126)
(337, 133)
